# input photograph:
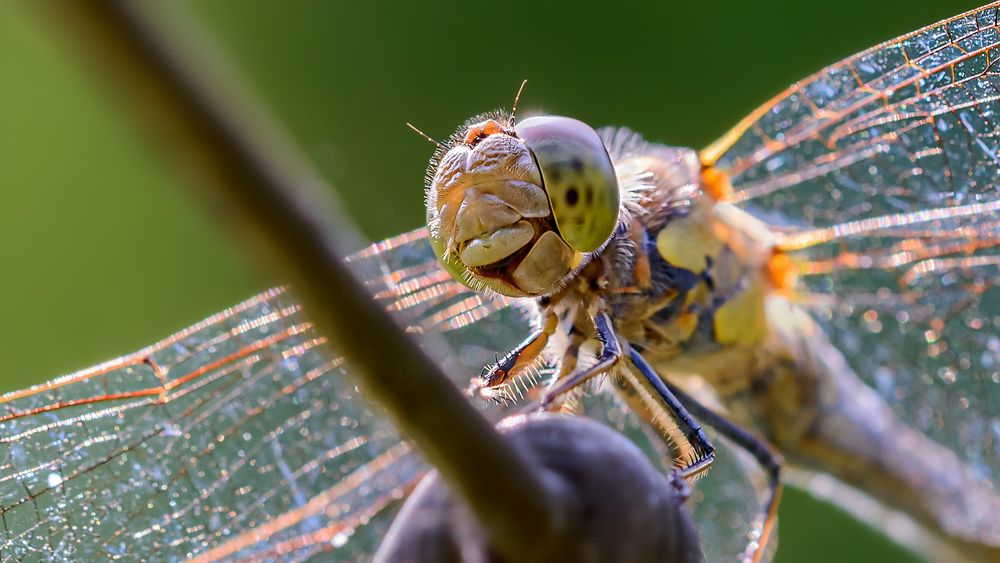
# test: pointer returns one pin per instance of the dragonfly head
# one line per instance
(518, 208)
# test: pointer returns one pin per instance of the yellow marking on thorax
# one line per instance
(717, 230)
(741, 320)
(687, 322)
(688, 243)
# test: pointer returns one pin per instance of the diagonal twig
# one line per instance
(246, 165)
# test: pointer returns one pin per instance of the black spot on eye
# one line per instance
(572, 196)
(577, 164)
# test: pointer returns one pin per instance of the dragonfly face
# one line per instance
(517, 208)
(852, 222)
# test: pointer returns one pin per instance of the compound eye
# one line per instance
(578, 177)
(450, 262)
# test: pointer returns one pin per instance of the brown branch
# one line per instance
(246, 166)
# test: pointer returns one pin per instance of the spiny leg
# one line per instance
(567, 367)
(692, 451)
(667, 405)
(611, 354)
(681, 407)
(698, 451)
(496, 379)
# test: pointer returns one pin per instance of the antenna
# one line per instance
(517, 98)
(424, 135)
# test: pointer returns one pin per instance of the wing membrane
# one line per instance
(909, 124)
(241, 434)
(889, 163)
(243, 437)
(725, 501)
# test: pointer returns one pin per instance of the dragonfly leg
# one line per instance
(610, 355)
(520, 362)
(696, 451)
(567, 367)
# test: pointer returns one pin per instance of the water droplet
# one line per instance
(54, 480)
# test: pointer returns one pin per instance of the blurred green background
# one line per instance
(103, 251)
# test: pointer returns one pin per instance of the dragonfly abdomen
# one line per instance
(811, 404)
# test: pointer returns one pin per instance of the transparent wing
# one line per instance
(724, 502)
(881, 174)
(241, 436)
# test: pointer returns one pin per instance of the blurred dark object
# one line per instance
(626, 511)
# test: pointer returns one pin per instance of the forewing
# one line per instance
(907, 125)
(242, 436)
(881, 175)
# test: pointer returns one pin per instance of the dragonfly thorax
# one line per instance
(518, 209)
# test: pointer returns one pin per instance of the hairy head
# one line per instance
(517, 208)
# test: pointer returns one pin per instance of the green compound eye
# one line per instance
(578, 177)
(450, 263)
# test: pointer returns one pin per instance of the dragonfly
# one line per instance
(819, 282)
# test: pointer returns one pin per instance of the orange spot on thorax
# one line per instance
(781, 271)
(716, 184)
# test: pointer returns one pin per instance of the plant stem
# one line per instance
(174, 80)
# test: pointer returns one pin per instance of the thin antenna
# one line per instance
(424, 135)
(517, 98)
